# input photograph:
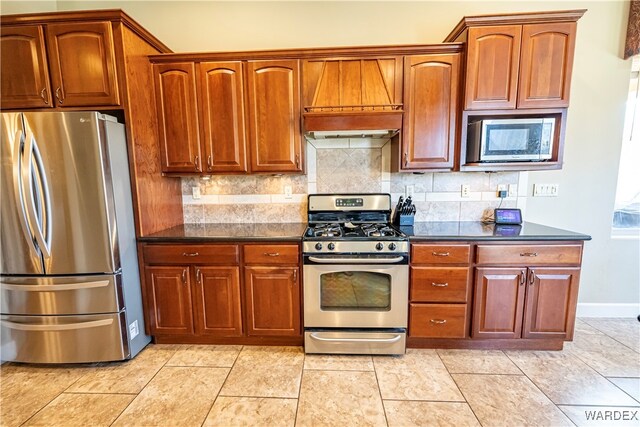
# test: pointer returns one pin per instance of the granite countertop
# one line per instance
(229, 232)
(475, 230)
(421, 231)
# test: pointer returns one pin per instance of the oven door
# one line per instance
(355, 291)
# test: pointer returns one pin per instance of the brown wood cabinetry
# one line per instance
(169, 299)
(23, 68)
(205, 293)
(221, 107)
(519, 66)
(177, 120)
(431, 111)
(82, 64)
(77, 69)
(526, 301)
(274, 116)
(272, 301)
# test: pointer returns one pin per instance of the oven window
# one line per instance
(355, 290)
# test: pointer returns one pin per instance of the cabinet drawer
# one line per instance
(528, 254)
(439, 284)
(271, 254)
(438, 320)
(191, 254)
(440, 254)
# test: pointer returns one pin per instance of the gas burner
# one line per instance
(327, 230)
(379, 230)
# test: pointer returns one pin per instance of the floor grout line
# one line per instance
(375, 373)
(612, 337)
(458, 387)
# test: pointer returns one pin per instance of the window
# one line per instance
(626, 214)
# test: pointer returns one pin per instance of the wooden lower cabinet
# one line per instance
(437, 320)
(272, 301)
(169, 299)
(216, 301)
(499, 301)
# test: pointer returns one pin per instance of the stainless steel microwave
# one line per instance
(509, 140)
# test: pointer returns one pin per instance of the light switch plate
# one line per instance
(195, 192)
(288, 192)
(465, 190)
(409, 190)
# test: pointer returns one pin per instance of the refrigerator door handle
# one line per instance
(60, 327)
(27, 184)
(46, 195)
(18, 191)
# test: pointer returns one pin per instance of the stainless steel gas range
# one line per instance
(356, 276)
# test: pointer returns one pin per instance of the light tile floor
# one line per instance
(597, 376)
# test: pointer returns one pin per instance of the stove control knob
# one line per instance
(331, 246)
(392, 246)
(318, 246)
(379, 246)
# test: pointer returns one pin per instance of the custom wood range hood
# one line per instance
(348, 97)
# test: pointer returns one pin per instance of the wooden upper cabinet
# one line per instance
(168, 300)
(493, 57)
(175, 86)
(550, 308)
(23, 67)
(222, 118)
(431, 111)
(545, 65)
(216, 301)
(498, 302)
(274, 115)
(82, 64)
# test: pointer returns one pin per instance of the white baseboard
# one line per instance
(587, 309)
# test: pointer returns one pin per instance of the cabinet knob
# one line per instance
(198, 275)
(406, 159)
(184, 275)
(43, 95)
(196, 162)
(532, 277)
(523, 277)
(209, 162)
(297, 161)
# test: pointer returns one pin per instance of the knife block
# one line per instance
(405, 220)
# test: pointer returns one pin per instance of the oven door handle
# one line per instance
(384, 340)
(356, 260)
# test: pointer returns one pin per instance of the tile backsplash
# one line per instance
(346, 166)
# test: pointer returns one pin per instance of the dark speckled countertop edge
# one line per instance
(452, 231)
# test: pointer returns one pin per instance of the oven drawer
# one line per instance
(529, 254)
(438, 320)
(190, 254)
(271, 254)
(440, 254)
(439, 284)
(355, 342)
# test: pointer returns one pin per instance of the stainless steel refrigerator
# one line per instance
(69, 282)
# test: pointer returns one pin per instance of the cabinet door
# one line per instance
(499, 301)
(169, 300)
(431, 111)
(545, 65)
(274, 116)
(222, 116)
(272, 301)
(177, 122)
(493, 57)
(23, 68)
(216, 301)
(550, 307)
(82, 64)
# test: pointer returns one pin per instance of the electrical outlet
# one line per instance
(545, 190)
(408, 190)
(288, 192)
(133, 329)
(195, 192)
(502, 187)
(513, 190)
(466, 190)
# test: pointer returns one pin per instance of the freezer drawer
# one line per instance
(64, 339)
(61, 295)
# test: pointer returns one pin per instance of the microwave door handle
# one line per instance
(27, 180)
(18, 191)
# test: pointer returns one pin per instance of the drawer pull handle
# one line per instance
(190, 254)
(272, 253)
(530, 254)
(438, 321)
(440, 253)
(439, 285)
